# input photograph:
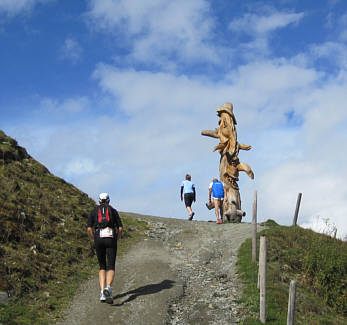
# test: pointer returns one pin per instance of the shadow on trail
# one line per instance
(145, 290)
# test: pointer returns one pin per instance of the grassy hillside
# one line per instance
(44, 247)
(317, 262)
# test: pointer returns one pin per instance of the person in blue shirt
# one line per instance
(216, 190)
(189, 194)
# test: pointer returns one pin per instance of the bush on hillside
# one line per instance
(317, 260)
(43, 221)
(318, 263)
(45, 251)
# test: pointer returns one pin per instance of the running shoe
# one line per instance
(191, 217)
(102, 297)
(108, 294)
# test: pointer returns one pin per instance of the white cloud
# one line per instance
(69, 105)
(79, 166)
(343, 27)
(14, 7)
(324, 192)
(333, 2)
(332, 51)
(71, 50)
(343, 35)
(157, 29)
(312, 163)
(258, 89)
(338, 25)
(260, 27)
(324, 226)
(147, 92)
(325, 110)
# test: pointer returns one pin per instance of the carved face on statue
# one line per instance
(226, 127)
(227, 108)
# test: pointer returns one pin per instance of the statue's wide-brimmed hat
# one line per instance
(227, 108)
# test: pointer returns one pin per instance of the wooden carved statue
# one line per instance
(230, 164)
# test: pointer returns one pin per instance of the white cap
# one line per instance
(104, 197)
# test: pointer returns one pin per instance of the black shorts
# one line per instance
(106, 251)
(188, 199)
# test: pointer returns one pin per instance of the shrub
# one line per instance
(318, 263)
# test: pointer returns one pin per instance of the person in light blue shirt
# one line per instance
(189, 194)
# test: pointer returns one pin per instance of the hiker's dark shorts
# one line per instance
(188, 199)
(106, 252)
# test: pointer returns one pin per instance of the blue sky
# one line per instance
(112, 96)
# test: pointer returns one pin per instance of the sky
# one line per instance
(112, 96)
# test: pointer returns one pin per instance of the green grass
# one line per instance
(317, 262)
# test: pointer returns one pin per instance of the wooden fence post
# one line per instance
(297, 209)
(291, 303)
(254, 223)
(262, 279)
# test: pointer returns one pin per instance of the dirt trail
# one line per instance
(182, 273)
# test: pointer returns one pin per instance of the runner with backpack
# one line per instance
(105, 227)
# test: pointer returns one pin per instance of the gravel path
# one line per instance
(183, 272)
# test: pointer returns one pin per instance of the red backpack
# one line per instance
(104, 216)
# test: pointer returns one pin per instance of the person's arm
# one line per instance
(225, 194)
(119, 233)
(209, 194)
(91, 232)
(119, 223)
(90, 228)
(181, 193)
(194, 192)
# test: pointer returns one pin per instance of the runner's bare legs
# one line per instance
(109, 277)
(221, 209)
(102, 279)
(106, 278)
(216, 208)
